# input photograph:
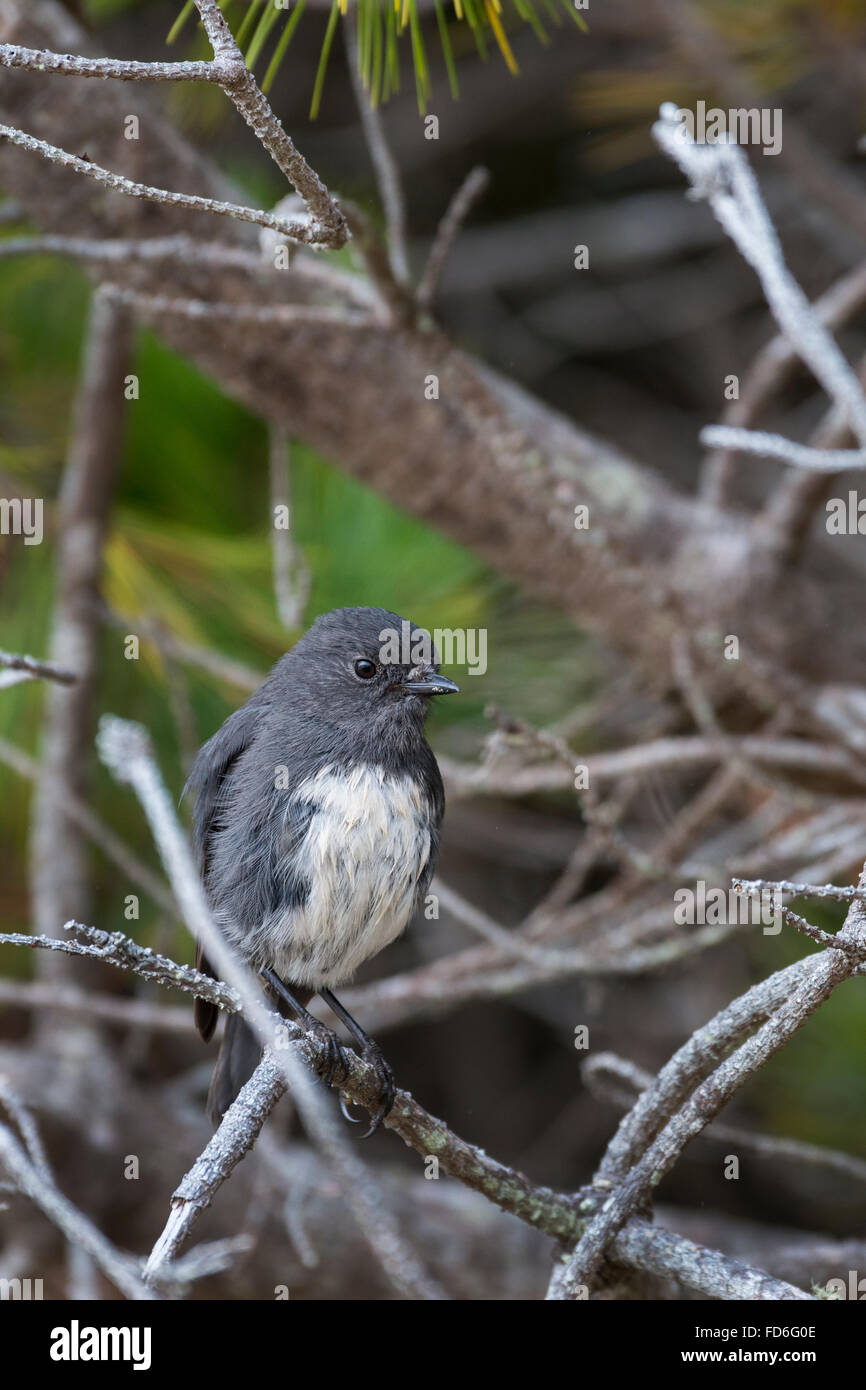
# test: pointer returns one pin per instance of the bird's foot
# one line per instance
(373, 1054)
(333, 1059)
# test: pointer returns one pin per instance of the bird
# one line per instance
(316, 824)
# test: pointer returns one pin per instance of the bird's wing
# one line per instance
(436, 792)
(209, 770)
(206, 779)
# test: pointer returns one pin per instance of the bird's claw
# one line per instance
(387, 1089)
(333, 1058)
(345, 1102)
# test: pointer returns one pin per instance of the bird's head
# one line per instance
(368, 665)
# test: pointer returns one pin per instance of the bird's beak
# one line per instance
(426, 681)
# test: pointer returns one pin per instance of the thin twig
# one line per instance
(26, 1126)
(292, 577)
(131, 1013)
(236, 1135)
(711, 1095)
(239, 84)
(502, 779)
(224, 668)
(110, 843)
(71, 65)
(120, 1268)
(46, 670)
(798, 890)
(384, 164)
(464, 200)
(770, 371)
(306, 232)
(763, 444)
(60, 868)
(600, 1070)
(193, 252)
(326, 225)
(220, 311)
(721, 174)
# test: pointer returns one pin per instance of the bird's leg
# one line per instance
(327, 1035)
(370, 1052)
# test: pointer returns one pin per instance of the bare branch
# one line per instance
(695, 1060)
(541, 1207)
(292, 578)
(112, 846)
(464, 200)
(160, 305)
(26, 1127)
(711, 1095)
(721, 174)
(236, 1135)
(240, 85)
(229, 70)
(467, 779)
(774, 446)
(234, 673)
(59, 867)
(770, 371)
(823, 938)
(798, 890)
(113, 948)
(306, 271)
(47, 670)
(132, 1013)
(120, 1268)
(509, 942)
(600, 1070)
(294, 231)
(384, 164)
(71, 65)
(667, 1255)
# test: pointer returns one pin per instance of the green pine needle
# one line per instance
(279, 51)
(423, 84)
(392, 52)
(180, 21)
(263, 29)
(576, 16)
(323, 59)
(526, 10)
(247, 23)
(380, 27)
(447, 50)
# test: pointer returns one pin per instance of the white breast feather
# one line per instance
(367, 844)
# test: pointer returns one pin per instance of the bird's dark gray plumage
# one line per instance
(317, 818)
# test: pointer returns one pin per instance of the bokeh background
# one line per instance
(635, 351)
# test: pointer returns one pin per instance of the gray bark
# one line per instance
(59, 849)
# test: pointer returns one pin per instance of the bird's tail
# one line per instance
(238, 1058)
(240, 1051)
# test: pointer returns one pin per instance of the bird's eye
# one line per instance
(365, 669)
